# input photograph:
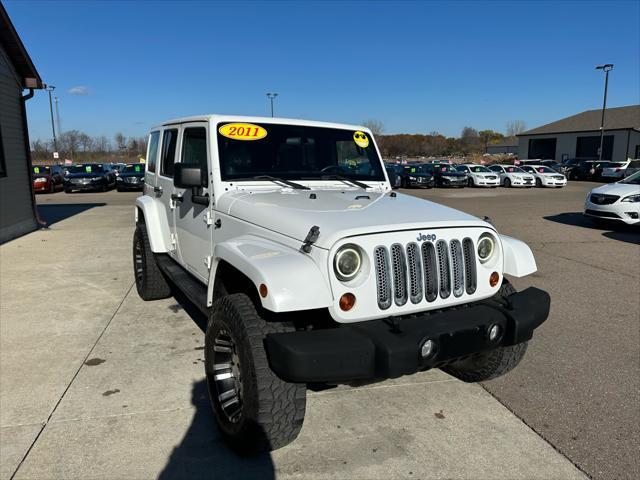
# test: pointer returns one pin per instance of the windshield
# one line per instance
(296, 152)
(41, 170)
(133, 169)
(514, 170)
(544, 170)
(446, 168)
(86, 169)
(632, 179)
(416, 169)
(479, 169)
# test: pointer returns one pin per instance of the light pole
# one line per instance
(55, 99)
(51, 88)
(271, 96)
(606, 69)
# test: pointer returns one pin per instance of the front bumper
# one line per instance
(458, 182)
(626, 212)
(552, 182)
(130, 186)
(417, 183)
(380, 349)
(84, 186)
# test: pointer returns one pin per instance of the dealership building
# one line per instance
(578, 136)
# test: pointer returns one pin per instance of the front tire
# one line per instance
(507, 182)
(470, 182)
(256, 411)
(492, 363)
(150, 282)
(538, 183)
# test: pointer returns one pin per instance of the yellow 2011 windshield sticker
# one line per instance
(361, 139)
(242, 131)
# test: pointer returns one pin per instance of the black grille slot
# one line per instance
(430, 267)
(603, 199)
(444, 269)
(469, 266)
(383, 282)
(457, 267)
(399, 267)
(415, 273)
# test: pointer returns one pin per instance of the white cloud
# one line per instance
(79, 90)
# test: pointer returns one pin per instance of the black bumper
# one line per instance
(380, 349)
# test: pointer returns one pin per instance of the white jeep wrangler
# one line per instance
(288, 236)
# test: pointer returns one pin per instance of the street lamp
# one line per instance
(59, 125)
(271, 96)
(51, 88)
(606, 68)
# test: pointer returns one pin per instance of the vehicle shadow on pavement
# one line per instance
(54, 213)
(202, 452)
(623, 233)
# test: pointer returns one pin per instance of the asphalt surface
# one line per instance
(578, 387)
(579, 384)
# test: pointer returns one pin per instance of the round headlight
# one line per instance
(347, 262)
(486, 247)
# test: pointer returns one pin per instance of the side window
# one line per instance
(152, 152)
(169, 140)
(194, 146)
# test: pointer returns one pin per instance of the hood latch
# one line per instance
(312, 236)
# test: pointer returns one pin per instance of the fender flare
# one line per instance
(518, 257)
(294, 281)
(156, 225)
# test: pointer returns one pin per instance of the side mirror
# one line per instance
(189, 175)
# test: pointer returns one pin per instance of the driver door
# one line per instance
(194, 225)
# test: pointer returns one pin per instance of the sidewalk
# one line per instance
(95, 383)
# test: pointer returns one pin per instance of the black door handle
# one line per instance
(176, 198)
(158, 190)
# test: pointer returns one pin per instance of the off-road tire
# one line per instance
(150, 282)
(272, 410)
(492, 363)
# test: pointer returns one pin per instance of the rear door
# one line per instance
(194, 220)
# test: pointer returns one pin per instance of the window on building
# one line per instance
(169, 140)
(542, 148)
(588, 147)
(3, 165)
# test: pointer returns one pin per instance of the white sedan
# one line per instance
(512, 176)
(545, 176)
(618, 201)
(479, 176)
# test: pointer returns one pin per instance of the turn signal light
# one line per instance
(347, 301)
(494, 279)
(263, 290)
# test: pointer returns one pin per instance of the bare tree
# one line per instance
(376, 126)
(101, 144)
(515, 127)
(86, 142)
(121, 141)
(69, 142)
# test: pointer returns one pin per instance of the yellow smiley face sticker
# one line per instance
(361, 139)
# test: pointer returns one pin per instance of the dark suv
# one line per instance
(89, 176)
(416, 175)
(131, 178)
(446, 175)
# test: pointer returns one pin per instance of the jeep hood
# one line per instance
(339, 213)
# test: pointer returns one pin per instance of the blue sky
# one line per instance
(416, 66)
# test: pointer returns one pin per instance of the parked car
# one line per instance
(545, 176)
(394, 172)
(47, 178)
(416, 175)
(616, 202)
(446, 175)
(585, 169)
(513, 176)
(306, 276)
(615, 170)
(131, 178)
(89, 176)
(479, 175)
(118, 168)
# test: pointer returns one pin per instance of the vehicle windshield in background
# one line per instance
(632, 179)
(417, 169)
(446, 168)
(41, 170)
(86, 169)
(544, 170)
(133, 169)
(296, 152)
(479, 169)
(514, 170)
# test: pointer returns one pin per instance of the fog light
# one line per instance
(428, 348)
(347, 301)
(633, 215)
(494, 279)
(494, 332)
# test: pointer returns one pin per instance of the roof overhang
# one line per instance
(29, 76)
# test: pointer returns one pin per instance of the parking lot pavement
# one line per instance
(579, 384)
(96, 383)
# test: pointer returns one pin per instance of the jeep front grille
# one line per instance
(423, 273)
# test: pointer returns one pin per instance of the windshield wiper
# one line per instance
(346, 179)
(275, 180)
